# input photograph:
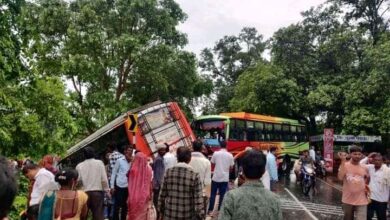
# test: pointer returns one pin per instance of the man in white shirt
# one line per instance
(119, 183)
(312, 153)
(272, 168)
(201, 165)
(379, 186)
(223, 161)
(43, 182)
(93, 178)
(170, 159)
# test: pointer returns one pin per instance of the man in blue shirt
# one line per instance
(158, 172)
(119, 183)
(272, 168)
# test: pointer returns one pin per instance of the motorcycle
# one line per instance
(285, 169)
(320, 168)
(308, 179)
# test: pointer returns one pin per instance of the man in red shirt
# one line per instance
(355, 177)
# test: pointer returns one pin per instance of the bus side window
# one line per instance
(301, 132)
(304, 134)
(259, 126)
(298, 133)
(286, 133)
(268, 132)
(251, 131)
(234, 135)
(233, 132)
(243, 135)
(237, 130)
(241, 129)
(294, 136)
(251, 135)
(277, 132)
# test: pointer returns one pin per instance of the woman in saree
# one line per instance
(65, 203)
(140, 189)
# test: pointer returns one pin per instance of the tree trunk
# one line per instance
(313, 125)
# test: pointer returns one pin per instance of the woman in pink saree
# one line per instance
(140, 190)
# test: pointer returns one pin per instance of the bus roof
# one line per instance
(211, 117)
(257, 117)
(107, 128)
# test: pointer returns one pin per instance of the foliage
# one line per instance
(116, 54)
(309, 54)
(367, 98)
(20, 201)
(34, 117)
(68, 67)
(321, 67)
(37, 120)
(10, 64)
(263, 81)
(229, 58)
(370, 15)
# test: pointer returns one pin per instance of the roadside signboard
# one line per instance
(348, 138)
(328, 148)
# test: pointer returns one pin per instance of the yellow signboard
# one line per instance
(133, 122)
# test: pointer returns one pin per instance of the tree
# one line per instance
(367, 99)
(116, 54)
(229, 58)
(370, 15)
(320, 54)
(10, 64)
(265, 89)
(40, 122)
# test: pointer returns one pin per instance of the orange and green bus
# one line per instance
(241, 130)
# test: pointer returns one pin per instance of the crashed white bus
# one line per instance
(155, 123)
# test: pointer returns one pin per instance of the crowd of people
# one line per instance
(180, 185)
(366, 184)
(365, 181)
(129, 185)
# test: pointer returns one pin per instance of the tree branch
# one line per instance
(78, 90)
(120, 81)
(384, 12)
(379, 4)
(123, 76)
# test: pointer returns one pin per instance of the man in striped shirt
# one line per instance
(181, 191)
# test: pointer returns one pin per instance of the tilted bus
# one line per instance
(156, 123)
(241, 130)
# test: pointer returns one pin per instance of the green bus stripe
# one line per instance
(301, 144)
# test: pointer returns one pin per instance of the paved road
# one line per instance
(323, 205)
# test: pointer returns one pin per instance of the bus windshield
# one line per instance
(212, 131)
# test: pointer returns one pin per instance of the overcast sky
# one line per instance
(210, 20)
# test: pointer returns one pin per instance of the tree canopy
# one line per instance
(229, 58)
(325, 69)
(69, 67)
(82, 63)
